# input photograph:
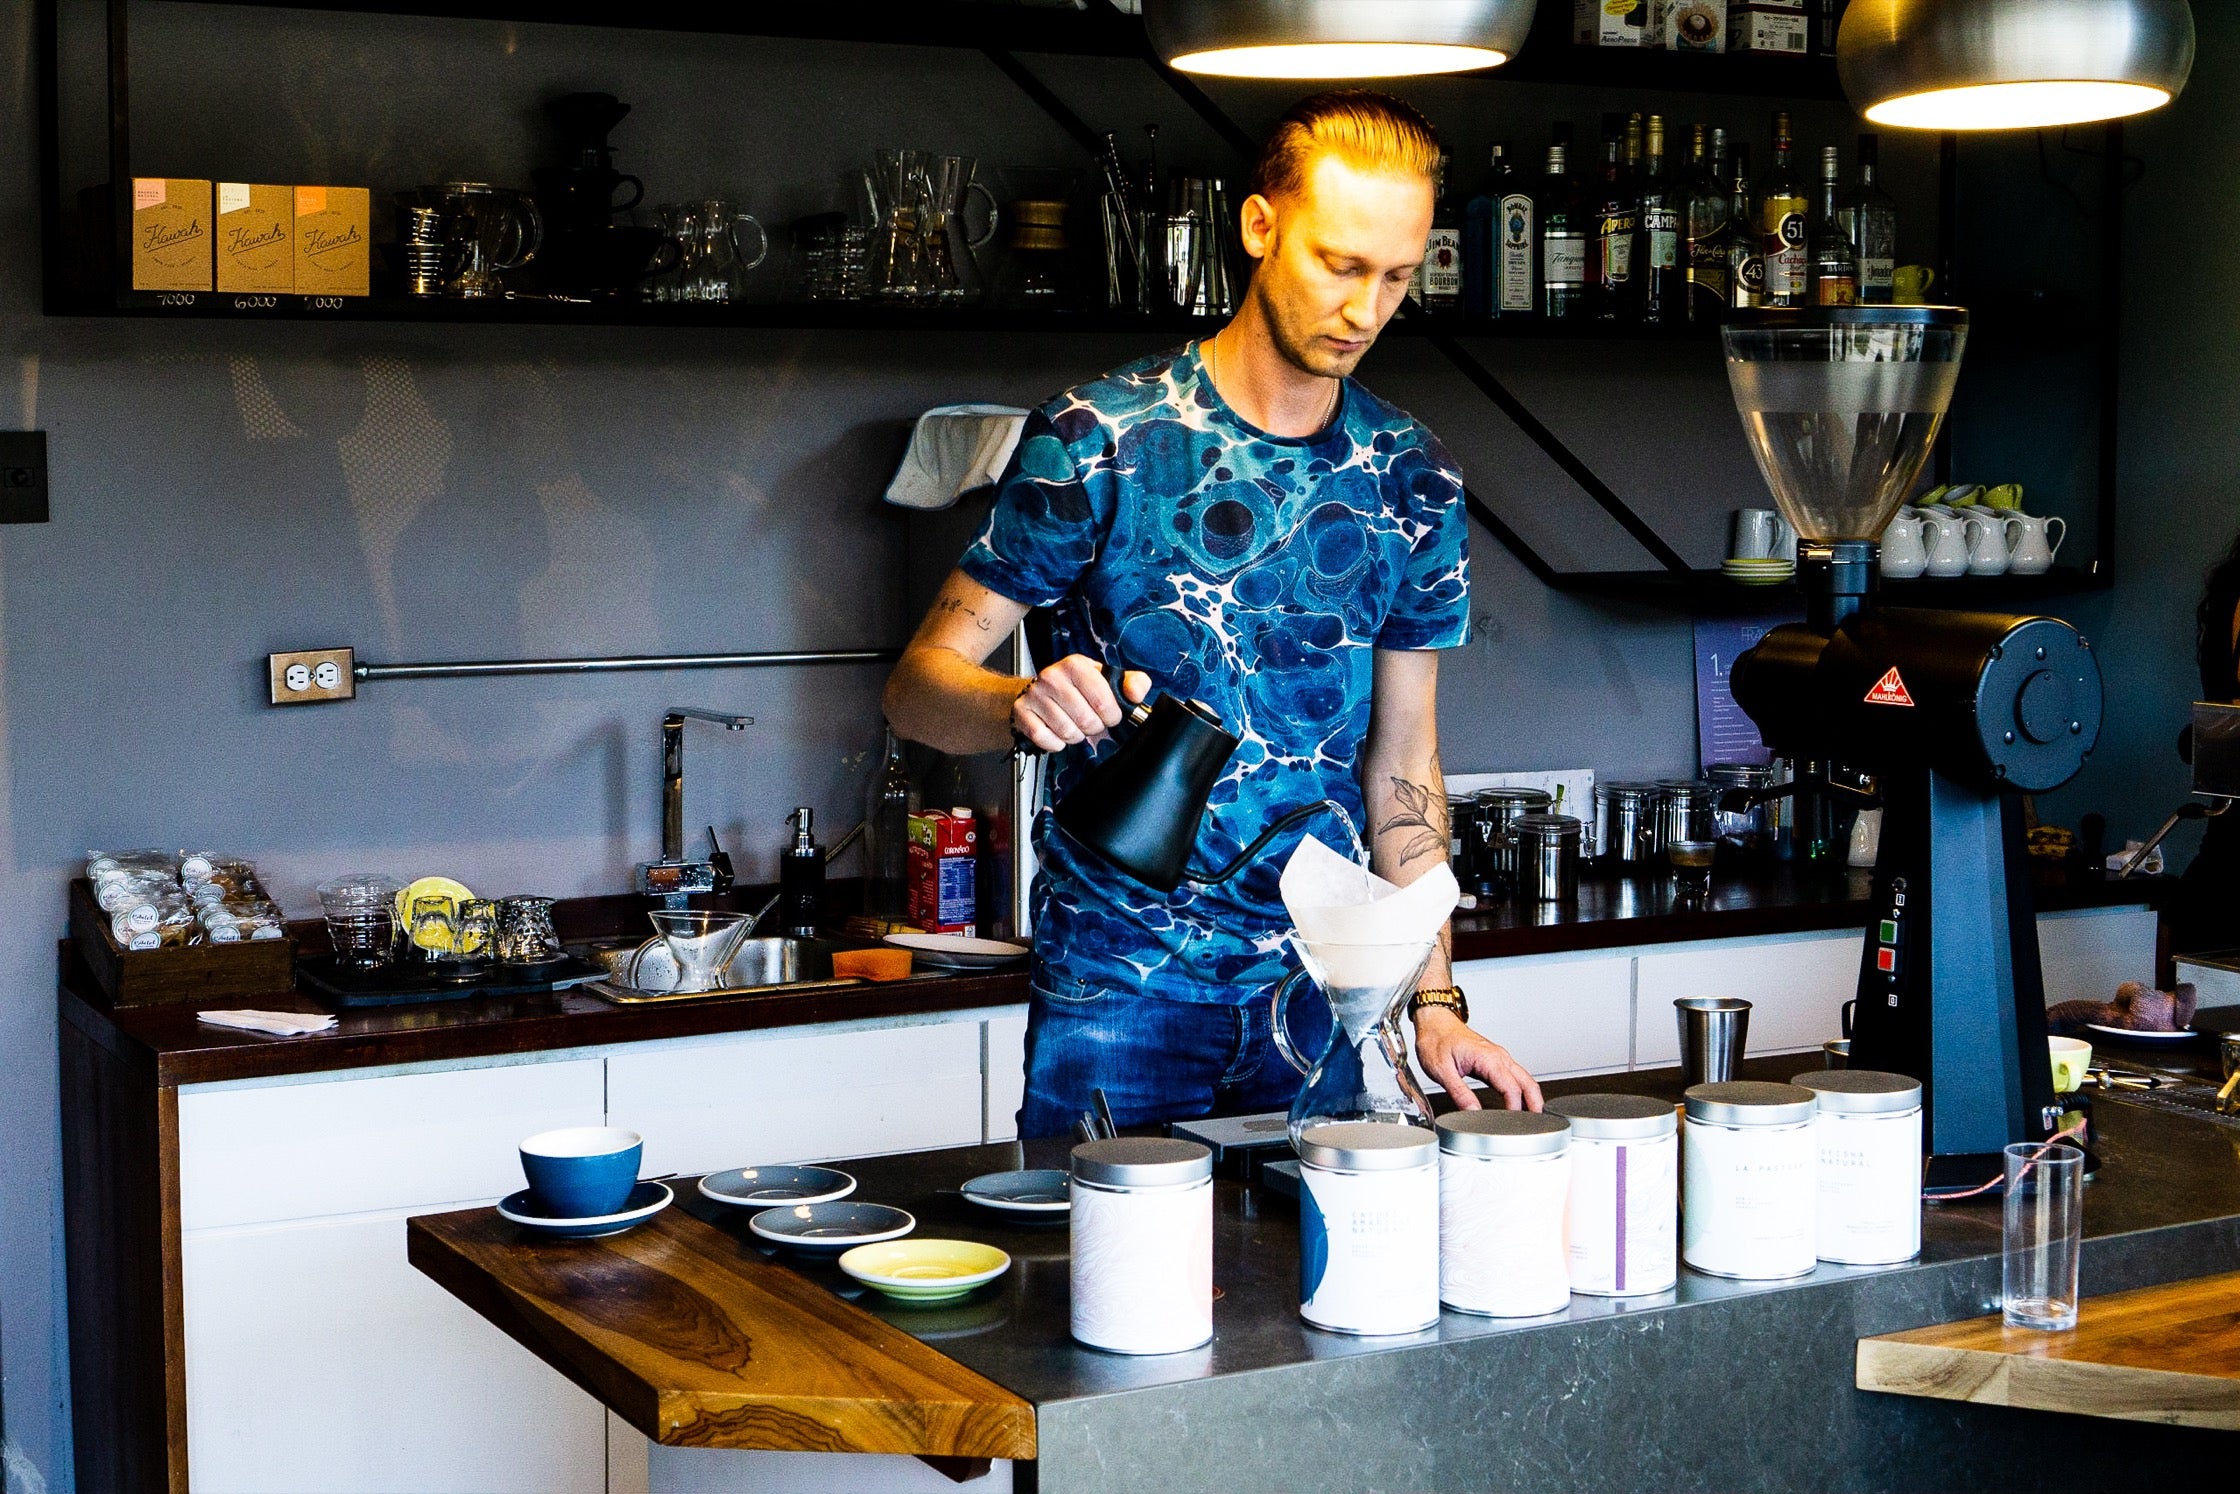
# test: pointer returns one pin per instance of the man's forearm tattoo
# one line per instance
(1422, 815)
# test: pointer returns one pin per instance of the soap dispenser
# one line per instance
(801, 877)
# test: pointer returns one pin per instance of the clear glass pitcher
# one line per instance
(708, 243)
(951, 252)
(1364, 1073)
(896, 188)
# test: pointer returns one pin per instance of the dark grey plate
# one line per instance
(1042, 1190)
(830, 1228)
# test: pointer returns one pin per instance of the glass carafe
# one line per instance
(1363, 1075)
(951, 264)
(896, 188)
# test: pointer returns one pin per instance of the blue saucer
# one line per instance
(830, 1228)
(645, 1201)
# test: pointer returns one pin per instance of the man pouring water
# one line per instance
(1238, 523)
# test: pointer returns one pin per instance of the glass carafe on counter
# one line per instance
(1363, 1074)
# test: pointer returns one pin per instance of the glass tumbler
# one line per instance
(474, 938)
(525, 934)
(432, 924)
(2044, 1235)
(361, 913)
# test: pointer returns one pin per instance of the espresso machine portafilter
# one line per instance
(1945, 719)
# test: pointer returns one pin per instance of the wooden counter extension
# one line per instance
(699, 1343)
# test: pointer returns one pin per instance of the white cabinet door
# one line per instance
(1007, 1074)
(320, 1362)
(1558, 1014)
(256, 1153)
(2086, 954)
(759, 1097)
(1796, 985)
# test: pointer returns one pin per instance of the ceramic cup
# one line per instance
(2071, 1057)
(582, 1172)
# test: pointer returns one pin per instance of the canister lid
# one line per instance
(1545, 826)
(1746, 1102)
(1625, 793)
(1530, 796)
(1686, 789)
(1142, 1161)
(1503, 1133)
(1861, 1091)
(1604, 1117)
(1366, 1146)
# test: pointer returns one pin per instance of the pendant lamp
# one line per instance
(2012, 64)
(1335, 38)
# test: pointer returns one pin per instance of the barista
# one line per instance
(2207, 911)
(1241, 523)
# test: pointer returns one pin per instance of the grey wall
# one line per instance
(221, 491)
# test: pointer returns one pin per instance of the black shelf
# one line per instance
(1711, 594)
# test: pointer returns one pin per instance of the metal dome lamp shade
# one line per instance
(1307, 39)
(2012, 64)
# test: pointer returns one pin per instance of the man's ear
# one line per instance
(1256, 222)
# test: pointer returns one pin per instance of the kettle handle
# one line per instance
(1278, 1027)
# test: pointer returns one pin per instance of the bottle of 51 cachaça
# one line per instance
(1784, 226)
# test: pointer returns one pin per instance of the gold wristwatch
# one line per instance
(1450, 997)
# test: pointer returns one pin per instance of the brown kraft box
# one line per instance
(334, 250)
(256, 238)
(170, 234)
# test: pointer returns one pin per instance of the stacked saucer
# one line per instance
(1771, 572)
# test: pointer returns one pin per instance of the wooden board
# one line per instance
(2165, 1354)
(698, 1342)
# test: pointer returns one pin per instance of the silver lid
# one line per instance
(1861, 1091)
(1686, 790)
(1625, 793)
(1142, 1162)
(1746, 1102)
(1605, 1117)
(1503, 1133)
(1545, 826)
(1743, 775)
(1530, 796)
(1366, 1146)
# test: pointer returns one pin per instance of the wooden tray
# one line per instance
(151, 977)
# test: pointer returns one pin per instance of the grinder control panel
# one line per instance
(1889, 932)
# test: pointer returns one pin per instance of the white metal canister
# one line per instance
(1504, 1182)
(1142, 1260)
(1750, 1166)
(1868, 1127)
(1369, 1227)
(1625, 1193)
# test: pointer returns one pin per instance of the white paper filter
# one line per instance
(1360, 928)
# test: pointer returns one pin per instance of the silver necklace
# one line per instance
(1213, 376)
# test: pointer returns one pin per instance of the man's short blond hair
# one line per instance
(1370, 130)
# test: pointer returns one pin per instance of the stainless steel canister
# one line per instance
(1547, 851)
(1746, 832)
(1494, 813)
(1684, 810)
(1625, 823)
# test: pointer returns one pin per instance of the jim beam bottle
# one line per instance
(1746, 265)
(1563, 238)
(1657, 254)
(1707, 228)
(1442, 256)
(1784, 230)
(1835, 273)
(1870, 221)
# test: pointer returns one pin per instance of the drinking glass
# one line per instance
(525, 934)
(432, 923)
(474, 939)
(361, 912)
(2044, 1235)
(1691, 866)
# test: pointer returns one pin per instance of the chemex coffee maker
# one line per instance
(1946, 719)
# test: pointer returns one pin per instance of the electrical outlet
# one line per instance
(23, 477)
(313, 675)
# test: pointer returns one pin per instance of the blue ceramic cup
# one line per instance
(583, 1172)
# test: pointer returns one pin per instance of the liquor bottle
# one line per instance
(1870, 221)
(1610, 277)
(1708, 228)
(1481, 236)
(886, 840)
(1746, 266)
(1561, 225)
(1514, 284)
(1835, 272)
(1783, 231)
(1439, 277)
(1657, 254)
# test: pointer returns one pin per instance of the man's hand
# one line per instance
(1451, 1053)
(1070, 702)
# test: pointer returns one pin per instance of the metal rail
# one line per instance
(618, 664)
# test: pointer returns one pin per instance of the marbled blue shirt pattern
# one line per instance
(1253, 572)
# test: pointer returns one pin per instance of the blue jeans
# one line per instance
(1158, 1060)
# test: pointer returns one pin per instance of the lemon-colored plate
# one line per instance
(925, 1270)
(430, 887)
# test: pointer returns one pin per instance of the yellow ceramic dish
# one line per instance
(925, 1270)
(435, 941)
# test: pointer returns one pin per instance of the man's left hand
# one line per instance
(1452, 1053)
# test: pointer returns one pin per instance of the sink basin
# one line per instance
(762, 965)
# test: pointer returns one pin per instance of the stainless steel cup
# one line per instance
(1713, 1030)
(1835, 1053)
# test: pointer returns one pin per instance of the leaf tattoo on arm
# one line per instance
(1422, 813)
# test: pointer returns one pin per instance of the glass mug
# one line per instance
(711, 257)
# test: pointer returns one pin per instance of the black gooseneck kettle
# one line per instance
(1139, 808)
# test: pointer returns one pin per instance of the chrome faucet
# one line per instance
(673, 878)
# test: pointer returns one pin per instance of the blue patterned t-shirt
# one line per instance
(1255, 573)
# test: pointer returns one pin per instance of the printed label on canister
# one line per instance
(1502, 1251)
(1142, 1268)
(1753, 1200)
(1625, 1196)
(1870, 1187)
(1369, 1249)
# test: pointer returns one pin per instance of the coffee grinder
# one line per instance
(1946, 719)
